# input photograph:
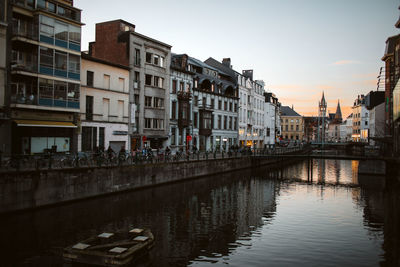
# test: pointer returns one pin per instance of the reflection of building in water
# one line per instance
(354, 171)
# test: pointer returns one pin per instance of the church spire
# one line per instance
(323, 101)
(338, 115)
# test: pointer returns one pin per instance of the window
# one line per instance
(204, 101)
(46, 57)
(147, 101)
(174, 85)
(236, 106)
(181, 86)
(187, 89)
(173, 136)
(89, 107)
(230, 123)
(225, 105)
(148, 57)
(74, 64)
(73, 92)
(195, 100)
(60, 90)
(225, 122)
(195, 114)
(137, 57)
(230, 106)
(219, 121)
(74, 34)
(148, 79)
(268, 131)
(286, 127)
(120, 109)
(46, 26)
(173, 110)
(212, 103)
(291, 127)
(121, 84)
(297, 127)
(61, 31)
(366, 122)
(136, 98)
(89, 78)
(156, 60)
(61, 60)
(158, 82)
(235, 124)
(106, 81)
(158, 102)
(219, 104)
(147, 123)
(45, 88)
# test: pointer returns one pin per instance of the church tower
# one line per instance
(321, 119)
(338, 114)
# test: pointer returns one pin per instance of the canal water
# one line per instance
(260, 217)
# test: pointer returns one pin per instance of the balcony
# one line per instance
(26, 29)
(184, 95)
(24, 61)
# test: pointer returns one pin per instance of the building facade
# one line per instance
(292, 124)
(5, 135)
(346, 129)
(149, 63)
(252, 130)
(272, 119)
(183, 118)
(215, 99)
(360, 120)
(104, 105)
(44, 85)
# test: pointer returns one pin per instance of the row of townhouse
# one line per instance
(127, 91)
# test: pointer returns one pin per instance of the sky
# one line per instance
(299, 48)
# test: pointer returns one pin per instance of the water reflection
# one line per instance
(246, 218)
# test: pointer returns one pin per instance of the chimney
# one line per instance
(227, 62)
(248, 74)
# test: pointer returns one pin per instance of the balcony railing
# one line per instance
(23, 28)
(184, 95)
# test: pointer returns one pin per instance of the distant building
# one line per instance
(346, 129)
(292, 124)
(360, 120)
(310, 128)
(272, 119)
(105, 101)
(251, 111)
(322, 120)
(5, 123)
(333, 132)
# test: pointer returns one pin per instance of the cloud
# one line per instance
(345, 62)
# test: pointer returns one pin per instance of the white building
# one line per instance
(360, 120)
(346, 129)
(251, 110)
(272, 119)
(104, 105)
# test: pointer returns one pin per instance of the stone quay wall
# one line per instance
(31, 189)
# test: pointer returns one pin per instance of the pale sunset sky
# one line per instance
(298, 47)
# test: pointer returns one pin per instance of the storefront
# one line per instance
(35, 137)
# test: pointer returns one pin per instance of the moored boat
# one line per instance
(111, 249)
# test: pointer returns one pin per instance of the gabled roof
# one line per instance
(390, 45)
(287, 111)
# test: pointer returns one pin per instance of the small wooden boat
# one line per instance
(111, 249)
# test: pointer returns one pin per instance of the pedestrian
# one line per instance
(110, 153)
(121, 155)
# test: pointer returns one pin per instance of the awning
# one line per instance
(31, 123)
